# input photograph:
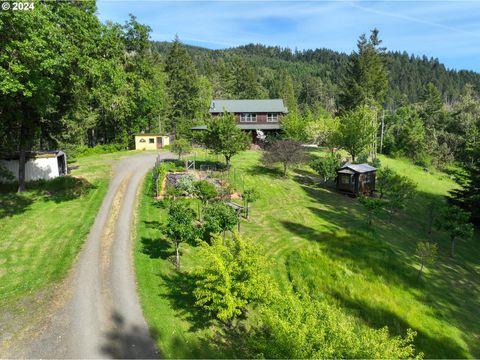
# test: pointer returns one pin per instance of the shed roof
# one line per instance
(239, 106)
(150, 134)
(358, 168)
(32, 154)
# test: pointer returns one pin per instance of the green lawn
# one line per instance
(43, 229)
(319, 243)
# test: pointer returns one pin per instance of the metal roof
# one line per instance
(245, 106)
(199, 127)
(359, 168)
(32, 154)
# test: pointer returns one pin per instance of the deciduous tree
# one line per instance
(181, 147)
(231, 277)
(179, 227)
(357, 130)
(456, 222)
(224, 137)
(285, 152)
(427, 253)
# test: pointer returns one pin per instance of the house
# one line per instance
(38, 164)
(356, 179)
(251, 115)
(151, 141)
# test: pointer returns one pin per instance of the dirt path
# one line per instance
(99, 314)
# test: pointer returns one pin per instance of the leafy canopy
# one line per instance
(232, 277)
(224, 137)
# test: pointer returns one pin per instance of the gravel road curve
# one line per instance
(100, 315)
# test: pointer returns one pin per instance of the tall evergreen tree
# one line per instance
(182, 88)
(367, 79)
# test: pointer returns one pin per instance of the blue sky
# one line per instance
(447, 30)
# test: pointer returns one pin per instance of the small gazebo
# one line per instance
(356, 179)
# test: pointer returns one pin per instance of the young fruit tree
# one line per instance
(206, 192)
(223, 137)
(285, 152)
(179, 227)
(401, 190)
(218, 218)
(232, 276)
(456, 222)
(373, 207)
(427, 253)
(357, 130)
(249, 196)
(181, 147)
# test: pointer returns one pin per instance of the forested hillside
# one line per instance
(319, 73)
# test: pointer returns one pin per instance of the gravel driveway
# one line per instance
(100, 314)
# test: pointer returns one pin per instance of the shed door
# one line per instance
(159, 142)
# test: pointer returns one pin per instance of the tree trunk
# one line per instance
(227, 161)
(21, 170)
(284, 169)
(22, 157)
(353, 158)
(452, 249)
(177, 254)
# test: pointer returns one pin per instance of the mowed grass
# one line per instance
(320, 243)
(43, 229)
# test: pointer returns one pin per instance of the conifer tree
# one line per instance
(182, 88)
(367, 79)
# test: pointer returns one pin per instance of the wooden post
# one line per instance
(381, 133)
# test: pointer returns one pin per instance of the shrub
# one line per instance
(78, 151)
(205, 190)
(296, 327)
(326, 166)
(232, 276)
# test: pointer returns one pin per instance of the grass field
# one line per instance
(320, 244)
(43, 229)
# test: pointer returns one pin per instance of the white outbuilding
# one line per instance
(38, 164)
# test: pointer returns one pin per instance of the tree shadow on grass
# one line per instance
(12, 204)
(129, 341)
(156, 248)
(377, 317)
(153, 224)
(61, 189)
(274, 172)
(180, 287)
(360, 249)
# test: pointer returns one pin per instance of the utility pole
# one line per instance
(381, 134)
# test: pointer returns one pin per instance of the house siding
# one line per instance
(261, 118)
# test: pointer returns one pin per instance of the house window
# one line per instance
(272, 117)
(142, 140)
(248, 117)
(151, 141)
